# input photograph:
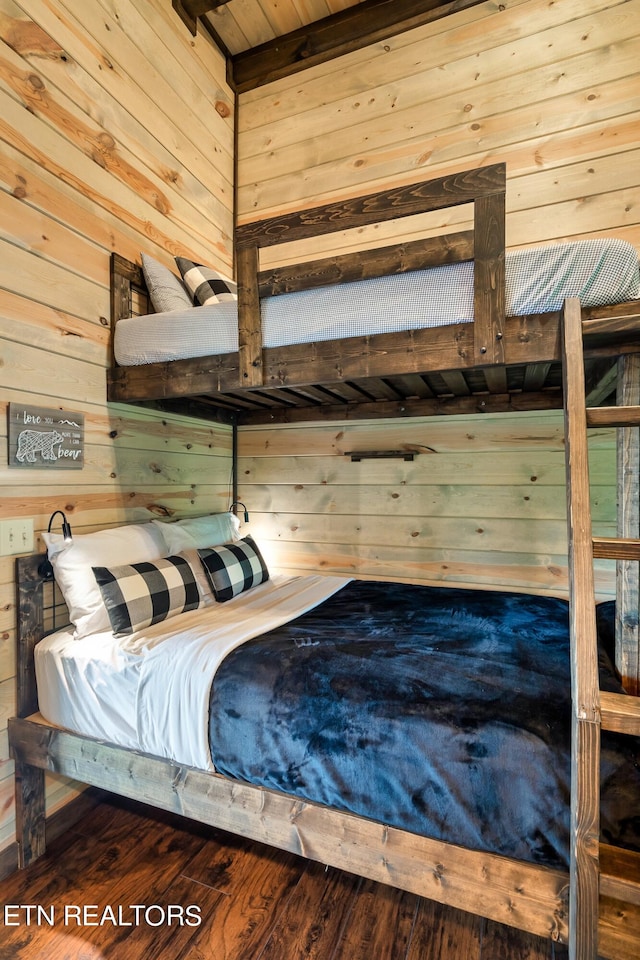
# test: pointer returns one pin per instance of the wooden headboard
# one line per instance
(40, 610)
(129, 294)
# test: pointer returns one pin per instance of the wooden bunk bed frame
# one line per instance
(495, 364)
(582, 907)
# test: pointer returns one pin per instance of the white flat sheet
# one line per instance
(538, 280)
(150, 691)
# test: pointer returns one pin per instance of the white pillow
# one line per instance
(167, 292)
(195, 533)
(72, 565)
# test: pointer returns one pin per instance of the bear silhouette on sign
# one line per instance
(31, 442)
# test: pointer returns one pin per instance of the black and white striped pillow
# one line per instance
(205, 284)
(139, 594)
(234, 568)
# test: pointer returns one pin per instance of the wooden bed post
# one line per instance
(29, 781)
(30, 813)
(489, 307)
(249, 320)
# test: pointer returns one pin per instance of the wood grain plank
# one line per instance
(462, 935)
(434, 194)
(381, 925)
(250, 367)
(520, 894)
(585, 741)
(334, 36)
(279, 909)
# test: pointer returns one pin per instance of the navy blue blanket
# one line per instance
(441, 711)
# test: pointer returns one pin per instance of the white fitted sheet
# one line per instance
(538, 280)
(150, 691)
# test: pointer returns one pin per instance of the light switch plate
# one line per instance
(16, 536)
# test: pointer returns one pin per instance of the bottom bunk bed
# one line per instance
(415, 736)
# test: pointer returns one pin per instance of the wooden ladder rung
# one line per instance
(616, 548)
(613, 416)
(625, 320)
(620, 874)
(620, 712)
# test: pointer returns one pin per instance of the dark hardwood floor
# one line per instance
(128, 883)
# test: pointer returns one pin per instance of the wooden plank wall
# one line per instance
(553, 90)
(482, 503)
(103, 147)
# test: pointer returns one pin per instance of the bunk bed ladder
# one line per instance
(595, 869)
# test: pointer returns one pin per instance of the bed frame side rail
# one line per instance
(484, 187)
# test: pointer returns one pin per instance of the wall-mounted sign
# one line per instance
(41, 438)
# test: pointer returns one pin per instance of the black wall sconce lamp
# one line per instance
(239, 503)
(45, 569)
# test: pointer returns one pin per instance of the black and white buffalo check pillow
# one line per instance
(139, 594)
(234, 568)
(205, 284)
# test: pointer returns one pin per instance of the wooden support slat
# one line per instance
(613, 416)
(613, 320)
(249, 320)
(367, 264)
(616, 548)
(620, 874)
(497, 379)
(620, 713)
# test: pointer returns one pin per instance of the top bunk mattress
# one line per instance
(538, 280)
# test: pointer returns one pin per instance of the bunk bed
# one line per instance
(496, 362)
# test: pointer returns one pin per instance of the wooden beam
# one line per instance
(366, 264)
(454, 406)
(523, 895)
(440, 193)
(351, 29)
(190, 10)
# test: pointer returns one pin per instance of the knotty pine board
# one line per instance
(565, 146)
(483, 502)
(103, 162)
(451, 92)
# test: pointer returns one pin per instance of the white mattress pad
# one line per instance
(150, 691)
(538, 280)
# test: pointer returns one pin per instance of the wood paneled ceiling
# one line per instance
(267, 39)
